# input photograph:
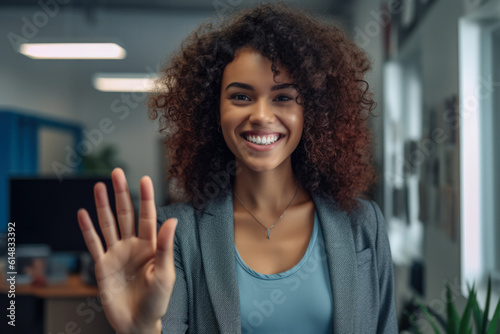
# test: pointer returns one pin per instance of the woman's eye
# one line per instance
(240, 97)
(283, 98)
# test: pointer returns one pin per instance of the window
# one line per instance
(480, 145)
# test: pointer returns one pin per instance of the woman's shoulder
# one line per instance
(183, 211)
(368, 224)
(366, 211)
(365, 218)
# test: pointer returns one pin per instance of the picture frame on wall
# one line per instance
(399, 205)
(423, 200)
(449, 119)
(447, 216)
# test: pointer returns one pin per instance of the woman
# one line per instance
(265, 118)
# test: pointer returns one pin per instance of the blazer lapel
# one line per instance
(341, 255)
(217, 250)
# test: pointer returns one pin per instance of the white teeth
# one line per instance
(263, 140)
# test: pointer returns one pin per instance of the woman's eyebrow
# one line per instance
(250, 87)
(239, 85)
(284, 86)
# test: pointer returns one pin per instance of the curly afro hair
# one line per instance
(334, 156)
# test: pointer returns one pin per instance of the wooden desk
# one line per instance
(73, 287)
(69, 307)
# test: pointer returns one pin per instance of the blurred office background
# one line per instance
(434, 78)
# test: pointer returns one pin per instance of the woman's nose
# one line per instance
(262, 112)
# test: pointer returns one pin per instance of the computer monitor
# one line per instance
(45, 210)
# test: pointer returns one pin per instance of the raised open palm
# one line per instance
(136, 273)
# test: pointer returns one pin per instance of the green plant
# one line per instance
(102, 162)
(457, 324)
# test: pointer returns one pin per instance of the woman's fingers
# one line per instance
(147, 213)
(124, 208)
(90, 235)
(164, 262)
(105, 214)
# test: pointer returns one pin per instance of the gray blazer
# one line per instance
(205, 298)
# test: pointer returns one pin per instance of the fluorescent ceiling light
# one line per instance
(124, 82)
(72, 50)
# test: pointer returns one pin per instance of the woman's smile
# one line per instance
(265, 139)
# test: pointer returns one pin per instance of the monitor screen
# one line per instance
(45, 210)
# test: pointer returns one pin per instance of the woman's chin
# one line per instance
(260, 166)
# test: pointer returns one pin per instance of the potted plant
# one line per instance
(461, 324)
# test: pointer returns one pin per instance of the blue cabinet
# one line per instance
(19, 149)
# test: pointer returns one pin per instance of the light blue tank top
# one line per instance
(296, 301)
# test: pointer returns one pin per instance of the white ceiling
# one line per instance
(335, 7)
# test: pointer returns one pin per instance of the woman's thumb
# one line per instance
(164, 264)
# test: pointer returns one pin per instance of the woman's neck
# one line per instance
(266, 191)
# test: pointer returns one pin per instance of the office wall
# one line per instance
(436, 42)
(63, 89)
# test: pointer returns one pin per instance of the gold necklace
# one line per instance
(276, 222)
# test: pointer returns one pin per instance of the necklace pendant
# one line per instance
(276, 222)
